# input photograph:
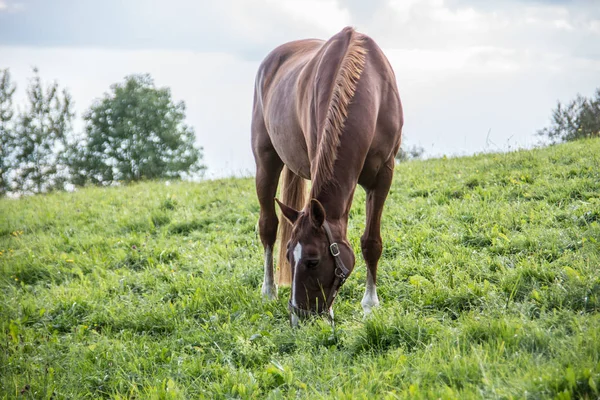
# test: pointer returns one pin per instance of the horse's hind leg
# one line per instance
(268, 169)
(370, 242)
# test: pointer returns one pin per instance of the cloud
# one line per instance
(464, 67)
(8, 6)
(247, 29)
(571, 28)
(251, 29)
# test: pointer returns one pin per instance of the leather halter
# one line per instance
(341, 274)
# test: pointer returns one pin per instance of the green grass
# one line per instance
(489, 283)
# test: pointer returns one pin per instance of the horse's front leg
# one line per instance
(370, 242)
(268, 169)
(266, 186)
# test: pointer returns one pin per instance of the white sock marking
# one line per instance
(269, 290)
(369, 300)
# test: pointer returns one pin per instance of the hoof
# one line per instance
(294, 320)
(368, 307)
(269, 292)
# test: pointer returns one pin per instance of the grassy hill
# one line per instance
(489, 282)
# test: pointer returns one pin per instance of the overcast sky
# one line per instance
(473, 76)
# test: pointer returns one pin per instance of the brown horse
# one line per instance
(329, 112)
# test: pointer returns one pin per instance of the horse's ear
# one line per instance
(317, 213)
(289, 213)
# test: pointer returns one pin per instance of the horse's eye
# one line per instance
(311, 263)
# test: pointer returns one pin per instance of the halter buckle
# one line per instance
(334, 248)
(339, 273)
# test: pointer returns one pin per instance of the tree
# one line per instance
(135, 132)
(7, 89)
(39, 138)
(580, 118)
(411, 153)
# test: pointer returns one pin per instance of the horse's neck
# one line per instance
(336, 201)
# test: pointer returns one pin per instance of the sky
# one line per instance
(473, 76)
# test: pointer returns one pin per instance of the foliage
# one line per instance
(411, 153)
(580, 118)
(7, 90)
(135, 132)
(39, 138)
(489, 287)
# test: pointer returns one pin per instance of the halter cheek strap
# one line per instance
(341, 274)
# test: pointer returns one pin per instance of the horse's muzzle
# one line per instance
(302, 314)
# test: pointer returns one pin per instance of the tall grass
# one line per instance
(489, 285)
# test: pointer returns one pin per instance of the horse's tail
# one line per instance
(293, 194)
(348, 50)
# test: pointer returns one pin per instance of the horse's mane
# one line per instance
(349, 71)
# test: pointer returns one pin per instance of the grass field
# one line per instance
(489, 283)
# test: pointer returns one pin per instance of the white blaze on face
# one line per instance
(297, 256)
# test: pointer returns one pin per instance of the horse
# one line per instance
(328, 112)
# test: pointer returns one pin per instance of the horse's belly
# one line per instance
(286, 133)
(291, 148)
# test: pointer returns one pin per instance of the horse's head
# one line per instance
(321, 259)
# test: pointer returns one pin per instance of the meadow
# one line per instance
(489, 286)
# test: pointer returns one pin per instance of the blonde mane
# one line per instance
(348, 74)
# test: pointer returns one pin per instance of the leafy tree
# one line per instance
(39, 138)
(411, 153)
(135, 132)
(7, 89)
(580, 118)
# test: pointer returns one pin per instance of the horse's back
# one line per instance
(293, 93)
(276, 101)
(282, 64)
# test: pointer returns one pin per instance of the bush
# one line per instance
(578, 119)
